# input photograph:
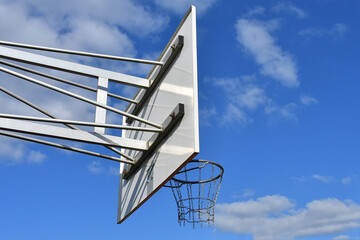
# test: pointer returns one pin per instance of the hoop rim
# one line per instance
(202, 181)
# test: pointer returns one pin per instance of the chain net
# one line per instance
(196, 188)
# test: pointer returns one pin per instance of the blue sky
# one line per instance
(278, 89)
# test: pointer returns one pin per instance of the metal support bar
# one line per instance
(71, 67)
(169, 60)
(87, 54)
(55, 119)
(31, 105)
(64, 81)
(169, 125)
(70, 134)
(57, 145)
(81, 123)
(38, 82)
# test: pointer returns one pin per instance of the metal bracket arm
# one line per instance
(70, 134)
(156, 140)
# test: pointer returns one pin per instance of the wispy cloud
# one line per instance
(281, 112)
(289, 8)
(57, 23)
(11, 151)
(206, 115)
(245, 193)
(275, 217)
(348, 180)
(241, 96)
(325, 179)
(96, 167)
(241, 91)
(36, 157)
(341, 237)
(256, 39)
(308, 100)
(234, 114)
(114, 171)
(258, 10)
(338, 30)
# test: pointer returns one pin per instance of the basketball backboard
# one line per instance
(172, 100)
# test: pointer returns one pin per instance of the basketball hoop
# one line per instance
(195, 190)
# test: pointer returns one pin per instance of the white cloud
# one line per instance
(275, 217)
(346, 180)
(181, 6)
(36, 157)
(206, 115)
(234, 114)
(11, 151)
(252, 97)
(325, 179)
(257, 40)
(307, 100)
(241, 92)
(263, 206)
(341, 237)
(114, 171)
(16, 24)
(97, 36)
(127, 14)
(96, 167)
(281, 112)
(288, 8)
(246, 193)
(259, 10)
(338, 30)
(244, 96)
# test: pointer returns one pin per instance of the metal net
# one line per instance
(195, 189)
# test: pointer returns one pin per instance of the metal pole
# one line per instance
(62, 121)
(57, 145)
(31, 105)
(87, 54)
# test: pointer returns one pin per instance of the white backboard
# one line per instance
(177, 86)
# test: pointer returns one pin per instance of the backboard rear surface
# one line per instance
(177, 86)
